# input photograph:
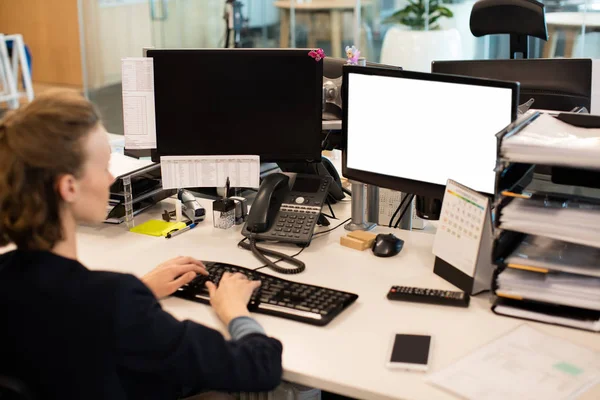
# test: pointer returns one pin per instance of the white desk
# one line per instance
(349, 354)
(571, 23)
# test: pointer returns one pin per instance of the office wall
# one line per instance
(123, 29)
(112, 33)
(51, 30)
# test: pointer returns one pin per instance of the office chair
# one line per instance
(12, 388)
(518, 18)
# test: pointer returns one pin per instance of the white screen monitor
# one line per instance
(411, 131)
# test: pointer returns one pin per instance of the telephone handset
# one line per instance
(286, 208)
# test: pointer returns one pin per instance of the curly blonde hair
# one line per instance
(39, 143)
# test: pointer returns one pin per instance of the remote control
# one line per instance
(430, 296)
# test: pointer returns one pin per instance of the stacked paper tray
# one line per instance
(547, 247)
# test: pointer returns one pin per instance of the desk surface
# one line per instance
(320, 5)
(347, 356)
(573, 19)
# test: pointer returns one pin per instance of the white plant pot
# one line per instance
(461, 21)
(415, 50)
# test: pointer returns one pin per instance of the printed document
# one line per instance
(525, 364)
(179, 172)
(138, 103)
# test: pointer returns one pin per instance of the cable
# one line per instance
(281, 259)
(412, 196)
(324, 142)
(334, 228)
(397, 210)
(331, 209)
(261, 252)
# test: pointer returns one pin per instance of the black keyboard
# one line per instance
(304, 303)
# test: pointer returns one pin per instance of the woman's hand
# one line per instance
(230, 299)
(172, 274)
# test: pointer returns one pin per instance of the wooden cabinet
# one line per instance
(51, 30)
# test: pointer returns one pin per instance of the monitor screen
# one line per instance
(412, 131)
(264, 102)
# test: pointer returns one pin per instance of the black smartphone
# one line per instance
(411, 352)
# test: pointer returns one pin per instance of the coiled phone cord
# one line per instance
(261, 252)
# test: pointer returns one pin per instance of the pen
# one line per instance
(177, 232)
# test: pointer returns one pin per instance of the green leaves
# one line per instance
(413, 15)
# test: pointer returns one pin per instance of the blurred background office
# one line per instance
(80, 43)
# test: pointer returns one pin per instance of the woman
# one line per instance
(71, 333)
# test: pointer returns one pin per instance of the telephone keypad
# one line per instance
(299, 222)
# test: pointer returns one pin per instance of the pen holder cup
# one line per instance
(223, 213)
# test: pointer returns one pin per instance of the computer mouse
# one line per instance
(387, 245)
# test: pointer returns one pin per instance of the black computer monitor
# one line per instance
(264, 102)
(554, 84)
(412, 131)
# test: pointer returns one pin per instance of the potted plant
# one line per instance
(416, 39)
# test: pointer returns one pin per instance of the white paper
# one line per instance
(526, 365)
(210, 171)
(461, 226)
(572, 224)
(550, 140)
(120, 164)
(556, 256)
(389, 200)
(557, 288)
(138, 103)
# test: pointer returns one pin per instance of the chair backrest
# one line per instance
(518, 18)
(12, 388)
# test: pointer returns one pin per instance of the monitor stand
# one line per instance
(358, 221)
(407, 219)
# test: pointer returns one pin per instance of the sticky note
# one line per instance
(157, 227)
(568, 368)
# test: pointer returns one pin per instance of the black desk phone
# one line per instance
(286, 208)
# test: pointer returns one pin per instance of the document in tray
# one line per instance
(121, 164)
(548, 140)
(553, 288)
(210, 171)
(138, 103)
(550, 314)
(524, 364)
(574, 222)
(550, 255)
